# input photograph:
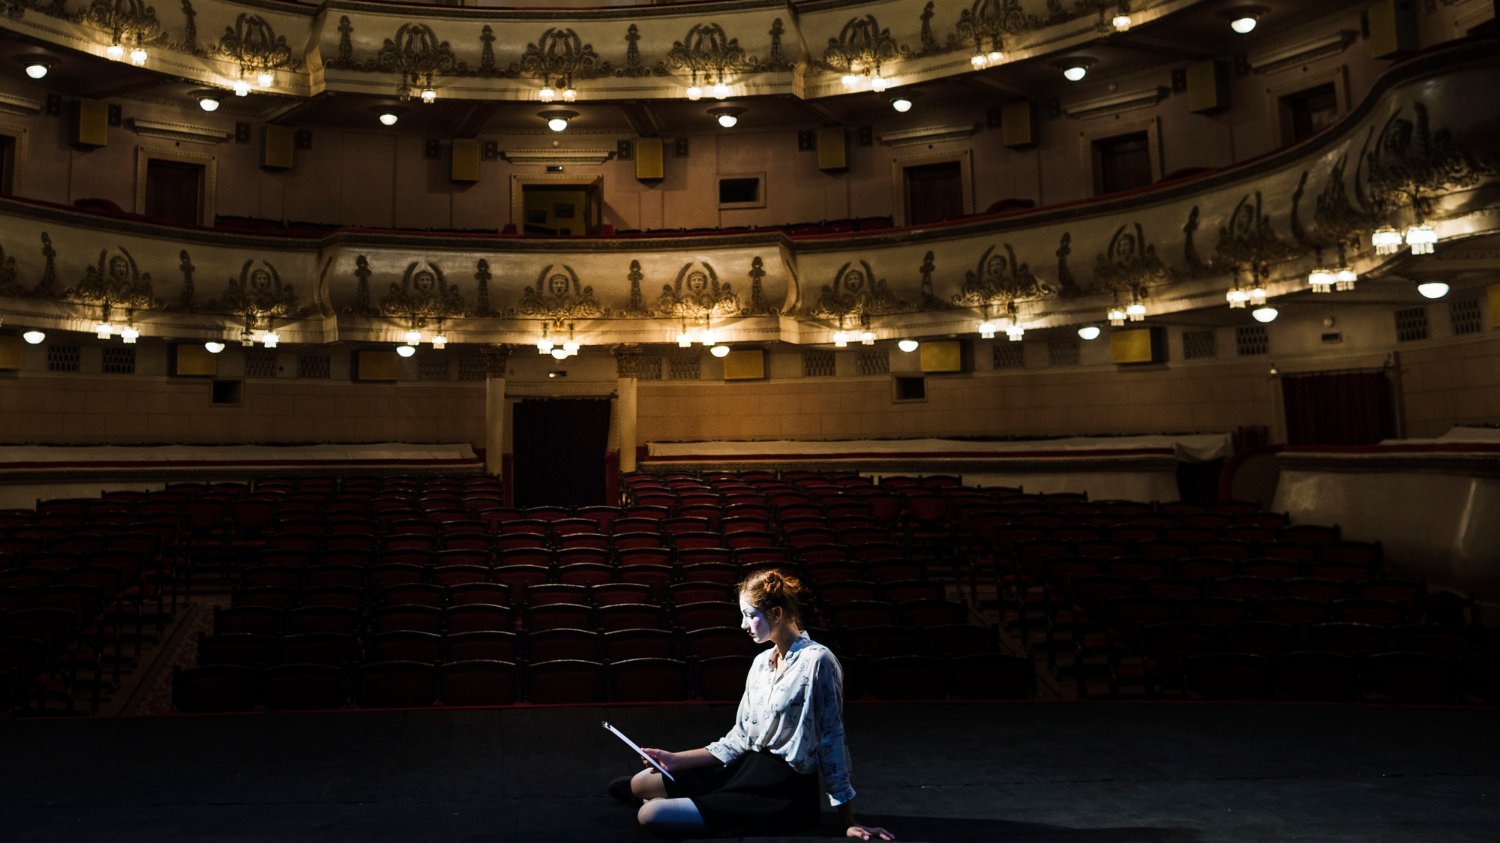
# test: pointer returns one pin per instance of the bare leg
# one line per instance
(647, 784)
(674, 816)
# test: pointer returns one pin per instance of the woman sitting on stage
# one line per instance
(762, 777)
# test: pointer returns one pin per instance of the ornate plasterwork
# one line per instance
(558, 294)
(10, 284)
(256, 292)
(482, 306)
(857, 292)
(697, 293)
(560, 56)
(1409, 163)
(423, 293)
(115, 280)
(862, 45)
(1248, 238)
(998, 279)
(1130, 263)
(253, 44)
(986, 24)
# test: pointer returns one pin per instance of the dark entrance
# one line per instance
(934, 192)
(559, 446)
(1338, 408)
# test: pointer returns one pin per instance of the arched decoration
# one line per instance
(856, 292)
(698, 293)
(862, 46)
(559, 57)
(1000, 278)
(115, 281)
(128, 22)
(254, 45)
(1130, 263)
(559, 294)
(986, 24)
(422, 294)
(707, 54)
(257, 292)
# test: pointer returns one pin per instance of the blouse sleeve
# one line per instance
(828, 713)
(735, 743)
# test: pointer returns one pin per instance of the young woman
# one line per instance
(762, 777)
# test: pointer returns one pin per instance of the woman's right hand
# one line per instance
(667, 760)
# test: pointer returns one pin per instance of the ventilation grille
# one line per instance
(471, 368)
(1062, 352)
(260, 364)
(1252, 340)
(1411, 324)
(874, 362)
(817, 363)
(119, 361)
(1010, 355)
(314, 366)
(432, 367)
(648, 369)
(62, 358)
(1199, 345)
(685, 367)
(1467, 316)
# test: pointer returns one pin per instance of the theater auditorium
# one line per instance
(390, 392)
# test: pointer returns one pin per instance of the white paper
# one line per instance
(630, 743)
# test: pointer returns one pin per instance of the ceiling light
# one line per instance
(429, 96)
(129, 334)
(557, 118)
(995, 57)
(901, 104)
(708, 338)
(907, 346)
(720, 91)
(1135, 311)
(114, 52)
(694, 93)
(1421, 238)
(36, 66)
(987, 330)
(1089, 332)
(570, 348)
(1344, 278)
(569, 95)
(559, 354)
(34, 337)
(1121, 22)
(1256, 296)
(1074, 69)
(1386, 240)
(270, 339)
(544, 346)
(1242, 19)
(406, 350)
(413, 337)
(546, 94)
(388, 114)
(867, 337)
(879, 83)
(241, 88)
(684, 339)
(1433, 289)
(1117, 316)
(719, 351)
(439, 341)
(208, 102)
(213, 346)
(977, 61)
(1321, 280)
(849, 80)
(138, 56)
(1236, 297)
(1265, 313)
(266, 78)
(841, 339)
(727, 115)
(104, 330)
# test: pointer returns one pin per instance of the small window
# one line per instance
(260, 364)
(1010, 355)
(817, 363)
(1252, 340)
(1062, 352)
(1308, 112)
(742, 192)
(432, 367)
(909, 388)
(876, 362)
(313, 366)
(174, 191)
(471, 368)
(686, 367)
(63, 358)
(1199, 345)
(1411, 324)
(648, 369)
(119, 360)
(1467, 316)
(1122, 162)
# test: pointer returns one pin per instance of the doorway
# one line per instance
(556, 208)
(934, 192)
(1338, 408)
(559, 446)
(174, 191)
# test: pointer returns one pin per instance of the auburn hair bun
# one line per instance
(775, 589)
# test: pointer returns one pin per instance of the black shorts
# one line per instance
(757, 793)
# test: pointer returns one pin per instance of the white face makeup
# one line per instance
(753, 621)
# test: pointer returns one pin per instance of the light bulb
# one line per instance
(129, 334)
(429, 96)
(1089, 332)
(684, 340)
(265, 78)
(115, 52)
(213, 346)
(1321, 280)
(406, 350)
(720, 91)
(439, 341)
(1117, 316)
(977, 61)
(1121, 22)
(1243, 25)
(1265, 314)
(1421, 238)
(1433, 289)
(270, 339)
(34, 337)
(719, 351)
(557, 124)
(546, 94)
(841, 339)
(867, 337)
(694, 93)
(544, 346)
(389, 118)
(1075, 73)
(36, 70)
(849, 80)
(728, 120)
(1386, 240)
(1015, 331)
(907, 345)
(901, 104)
(987, 330)
(995, 57)
(1135, 311)
(103, 330)
(241, 88)
(208, 103)
(879, 83)
(138, 56)
(413, 337)
(569, 95)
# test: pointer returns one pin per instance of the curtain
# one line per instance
(559, 446)
(1338, 408)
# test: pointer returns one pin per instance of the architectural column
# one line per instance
(495, 359)
(626, 359)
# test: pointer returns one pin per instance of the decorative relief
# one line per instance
(857, 292)
(560, 57)
(128, 22)
(423, 293)
(256, 292)
(627, 360)
(1248, 238)
(9, 283)
(46, 287)
(254, 45)
(697, 293)
(1410, 164)
(987, 23)
(861, 46)
(115, 280)
(559, 294)
(189, 288)
(362, 306)
(706, 53)
(637, 302)
(1067, 285)
(758, 304)
(1130, 263)
(634, 67)
(482, 290)
(1000, 278)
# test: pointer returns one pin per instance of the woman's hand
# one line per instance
(668, 760)
(865, 832)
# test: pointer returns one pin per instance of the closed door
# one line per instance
(934, 192)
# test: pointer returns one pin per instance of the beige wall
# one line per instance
(1451, 383)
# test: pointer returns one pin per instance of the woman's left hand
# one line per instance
(865, 832)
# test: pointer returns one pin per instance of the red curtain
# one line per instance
(1338, 408)
(559, 446)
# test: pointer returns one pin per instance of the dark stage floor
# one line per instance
(1062, 773)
